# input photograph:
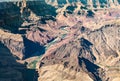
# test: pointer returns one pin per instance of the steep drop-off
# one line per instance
(65, 40)
(96, 53)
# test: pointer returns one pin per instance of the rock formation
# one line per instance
(69, 61)
(13, 42)
(23, 6)
(89, 3)
(97, 46)
(65, 40)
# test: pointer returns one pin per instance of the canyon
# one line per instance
(60, 40)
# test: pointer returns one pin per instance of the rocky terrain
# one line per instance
(11, 70)
(64, 40)
(94, 50)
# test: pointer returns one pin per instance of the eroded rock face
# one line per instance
(97, 49)
(73, 35)
(106, 41)
(74, 57)
(13, 42)
(62, 74)
(40, 36)
(89, 3)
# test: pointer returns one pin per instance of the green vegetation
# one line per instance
(33, 64)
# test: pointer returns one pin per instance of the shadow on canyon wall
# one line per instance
(86, 46)
(41, 8)
(90, 68)
(10, 17)
(11, 70)
(32, 48)
(87, 62)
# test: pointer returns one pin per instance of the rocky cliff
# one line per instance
(65, 40)
(14, 42)
(94, 54)
(19, 25)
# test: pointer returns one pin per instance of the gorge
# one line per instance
(60, 40)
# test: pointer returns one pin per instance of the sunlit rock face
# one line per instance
(65, 40)
(14, 23)
(97, 47)
(92, 3)
(13, 42)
